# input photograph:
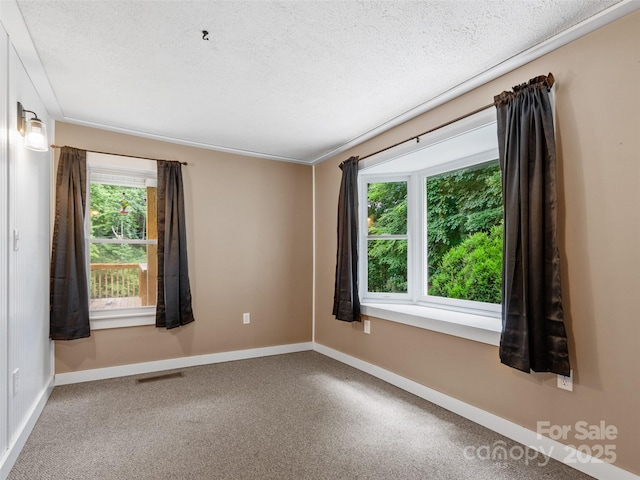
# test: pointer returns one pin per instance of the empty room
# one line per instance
(323, 239)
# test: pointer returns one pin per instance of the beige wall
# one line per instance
(249, 237)
(598, 115)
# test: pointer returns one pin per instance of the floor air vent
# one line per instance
(166, 376)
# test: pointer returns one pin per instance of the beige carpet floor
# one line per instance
(296, 416)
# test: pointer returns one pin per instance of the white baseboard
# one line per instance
(173, 363)
(11, 455)
(556, 450)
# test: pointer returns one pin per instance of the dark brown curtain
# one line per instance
(346, 303)
(533, 331)
(173, 307)
(69, 296)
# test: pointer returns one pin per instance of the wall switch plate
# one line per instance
(367, 326)
(16, 381)
(246, 318)
(566, 383)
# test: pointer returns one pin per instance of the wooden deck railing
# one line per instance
(134, 281)
(113, 280)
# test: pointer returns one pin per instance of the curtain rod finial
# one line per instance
(550, 80)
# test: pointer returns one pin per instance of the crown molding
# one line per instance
(179, 141)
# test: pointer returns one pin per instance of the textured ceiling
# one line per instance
(293, 80)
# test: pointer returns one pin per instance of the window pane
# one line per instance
(121, 212)
(387, 208)
(122, 276)
(387, 266)
(464, 234)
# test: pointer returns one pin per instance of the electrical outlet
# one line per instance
(246, 318)
(367, 326)
(566, 383)
(16, 381)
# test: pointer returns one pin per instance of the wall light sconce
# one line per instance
(33, 130)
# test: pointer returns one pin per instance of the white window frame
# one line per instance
(392, 297)
(116, 170)
(481, 308)
(472, 320)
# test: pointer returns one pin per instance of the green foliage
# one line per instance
(387, 265)
(106, 205)
(460, 203)
(107, 202)
(387, 215)
(109, 253)
(473, 269)
(387, 208)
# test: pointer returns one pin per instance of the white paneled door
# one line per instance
(29, 361)
(4, 243)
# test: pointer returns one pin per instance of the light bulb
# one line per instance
(35, 137)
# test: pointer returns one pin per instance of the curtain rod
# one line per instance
(120, 154)
(417, 137)
(546, 80)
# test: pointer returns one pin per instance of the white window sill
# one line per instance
(104, 319)
(480, 328)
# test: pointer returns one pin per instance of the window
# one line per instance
(387, 240)
(433, 214)
(122, 241)
(463, 247)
